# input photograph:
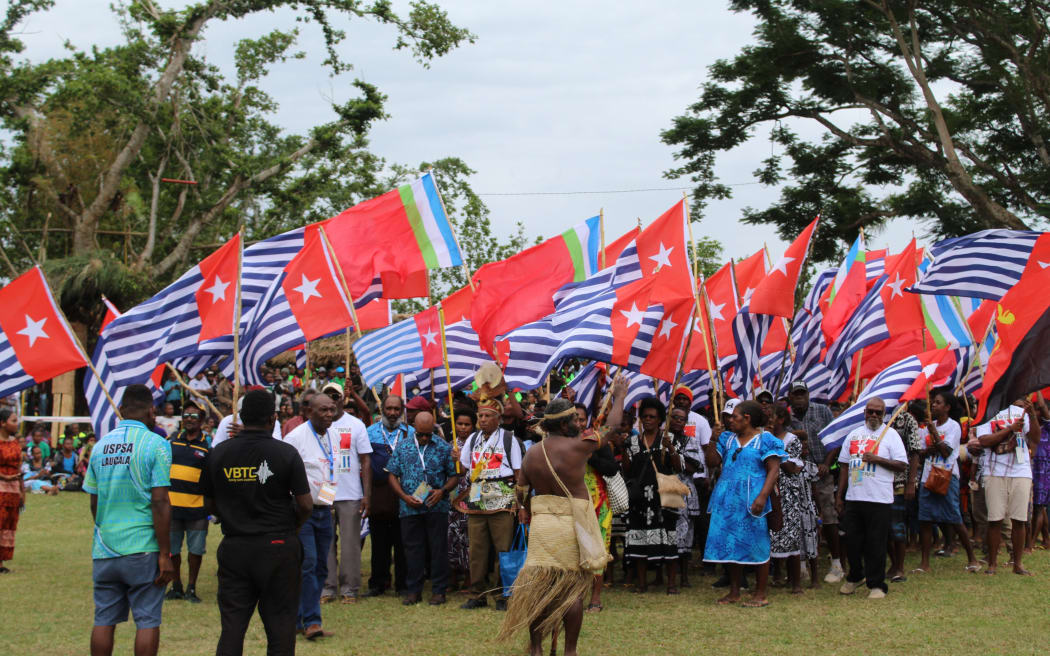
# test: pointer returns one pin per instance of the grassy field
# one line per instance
(47, 609)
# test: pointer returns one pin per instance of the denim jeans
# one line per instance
(316, 537)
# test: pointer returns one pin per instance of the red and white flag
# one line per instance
(36, 330)
(775, 295)
(217, 295)
(313, 290)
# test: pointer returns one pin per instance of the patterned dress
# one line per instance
(600, 499)
(788, 540)
(458, 542)
(685, 527)
(1041, 468)
(651, 530)
(735, 535)
(10, 497)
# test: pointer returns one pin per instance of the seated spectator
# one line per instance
(36, 474)
(65, 461)
(39, 438)
(167, 420)
(85, 454)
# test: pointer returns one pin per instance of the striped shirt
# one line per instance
(126, 464)
(187, 462)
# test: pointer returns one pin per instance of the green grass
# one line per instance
(47, 609)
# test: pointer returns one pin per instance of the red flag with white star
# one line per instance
(312, 288)
(217, 295)
(429, 326)
(775, 295)
(35, 328)
(627, 316)
(903, 309)
(662, 253)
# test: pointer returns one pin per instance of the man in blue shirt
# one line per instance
(127, 478)
(383, 524)
(422, 474)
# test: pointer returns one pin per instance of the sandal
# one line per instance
(4, 570)
(973, 569)
(726, 602)
(898, 578)
(594, 608)
(919, 570)
(751, 603)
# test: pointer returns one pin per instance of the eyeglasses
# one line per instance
(191, 415)
(871, 411)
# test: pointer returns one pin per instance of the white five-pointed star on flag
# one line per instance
(308, 288)
(782, 265)
(666, 326)
(663, 258)
(429, 337)
(716, 310)
(747, 295)
(1043, 264)
(218, 290)
(34, 330)
(633, 316)
(896, 286)
(930, 369)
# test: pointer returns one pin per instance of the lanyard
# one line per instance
(421, 453)
(326, 449)
(396, 433)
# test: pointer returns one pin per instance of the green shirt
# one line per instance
(45, 448)
(125, 466)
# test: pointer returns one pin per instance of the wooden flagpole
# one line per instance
(977, 357)
(699, 293)
(237, 323)
(193, 392)
(856, 377)
(342, 281)
(448, 382)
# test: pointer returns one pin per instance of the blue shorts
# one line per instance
(899, 519)
(196, 532)
(940, 509)
(127, 582)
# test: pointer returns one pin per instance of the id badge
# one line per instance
(422, 490)
(856, 470)
(326, 495)
(475, 493)
(1021, 451)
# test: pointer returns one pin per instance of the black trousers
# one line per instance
(867, 527)
(261, 571)
(386, 537)
(420, 533)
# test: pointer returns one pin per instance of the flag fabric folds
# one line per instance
(217, 294)
(404, 347)
(985, 264)
(36, 344)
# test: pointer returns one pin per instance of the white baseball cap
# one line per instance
(731, 405)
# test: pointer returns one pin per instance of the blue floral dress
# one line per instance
(735, 535)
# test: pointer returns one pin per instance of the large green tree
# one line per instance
(937, 111)
(92, 136)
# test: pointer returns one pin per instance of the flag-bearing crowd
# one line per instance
(924, 335)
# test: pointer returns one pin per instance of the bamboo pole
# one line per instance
(856, 377)
(448, 382)
(342, 279)
(237, 321)
(977, 357)
(181, 381)
(699, 293)
(83, 351)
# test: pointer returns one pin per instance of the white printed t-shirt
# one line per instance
(875, 481)
(951, 433)
(353, 441)
(1009, 464)
(314, 449)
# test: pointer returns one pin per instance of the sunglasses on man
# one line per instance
(191, 415)
(873, 412)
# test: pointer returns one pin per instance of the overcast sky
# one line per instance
(553, 97)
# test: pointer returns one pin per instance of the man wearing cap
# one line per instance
(353, 478)
(384, 526)
(807, 420)
(319, 379)
(491, 457)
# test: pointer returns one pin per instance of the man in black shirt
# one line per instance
(257, 486)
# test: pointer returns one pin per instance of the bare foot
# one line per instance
(728, 599)
(1022, 571)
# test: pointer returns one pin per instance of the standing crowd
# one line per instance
(299, 473)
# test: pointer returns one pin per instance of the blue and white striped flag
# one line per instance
(985, 264)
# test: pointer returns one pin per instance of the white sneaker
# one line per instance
(835, 575)
(876, 593)
(849, 587)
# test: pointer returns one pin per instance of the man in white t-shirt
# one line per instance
(200, 384)
(869, 456)
(353, 477)
(318, 445)
(1008, 440)
(229, 426)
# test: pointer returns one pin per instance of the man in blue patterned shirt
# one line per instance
(422, 474)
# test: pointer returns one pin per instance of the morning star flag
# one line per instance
(903, 381)
(1020, 363)
(394, 237)
(404, 347)
(519, 289)
(985, 264)
(36, 344)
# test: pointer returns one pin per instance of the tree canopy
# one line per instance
(95, 139)
(937, 111)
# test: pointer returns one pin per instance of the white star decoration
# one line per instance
(633, 316)
(218, 290)
(429, 337)
(716, 310)
(747, 294)
(663, 258)
(929, 370)
(308, 288)
(34, 330)
(1043, 264)
(896, 286)
(782, 265)
(666, 326)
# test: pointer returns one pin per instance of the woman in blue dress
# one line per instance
(738, 535)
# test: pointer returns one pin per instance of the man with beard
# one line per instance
(558, 570)
(869, 457)
(383, 523)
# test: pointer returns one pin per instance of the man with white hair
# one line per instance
(870, 455)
